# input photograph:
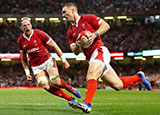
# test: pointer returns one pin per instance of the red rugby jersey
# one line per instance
(85, 22)
(35, 46)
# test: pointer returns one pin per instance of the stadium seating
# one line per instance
(121, 37)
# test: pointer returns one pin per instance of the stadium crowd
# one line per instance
(99, 7)
(119, 38)
(126, 38)
(75, 75)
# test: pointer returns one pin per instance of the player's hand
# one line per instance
(92, 38)
(66, 65)
(29, 77)
(78, 42)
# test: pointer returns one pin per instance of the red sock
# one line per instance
(65, 85)
(58, 92)
(91, 89)
(127, 80)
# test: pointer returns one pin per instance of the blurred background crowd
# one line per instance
(135, 36)
(98, 7)
(14, 75)
(119, 38)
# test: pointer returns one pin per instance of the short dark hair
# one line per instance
(70, 4)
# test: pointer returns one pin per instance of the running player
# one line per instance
(33, 42)
(97, 54)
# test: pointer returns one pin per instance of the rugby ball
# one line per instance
(84, 37)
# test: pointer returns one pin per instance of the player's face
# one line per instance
(67, 13)
(26, 27)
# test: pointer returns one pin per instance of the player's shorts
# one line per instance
(45, 66)
(102, 56)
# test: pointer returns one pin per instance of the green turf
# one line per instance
(106, 102)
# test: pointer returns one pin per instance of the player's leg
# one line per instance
(94, 71)
(56, 80)
(128, 80)
(109, 75)
(96, 67)
(111, 78)
(43, 81)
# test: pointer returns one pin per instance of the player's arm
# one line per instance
(25, 65)
(103, 28)
(52, 44)
(74, 45)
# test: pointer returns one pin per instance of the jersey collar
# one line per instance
(76, 24)
(29, 36)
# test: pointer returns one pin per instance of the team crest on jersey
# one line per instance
(24, 46)
(35, 42)
(74, 34)
(83, 25)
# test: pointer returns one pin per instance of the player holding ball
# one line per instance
(96, 53)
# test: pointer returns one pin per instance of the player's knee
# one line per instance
(55, 80)
(43, 81)
(118, 86)
(89, 78)
(93, 75)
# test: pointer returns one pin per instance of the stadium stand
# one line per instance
(99, 7)
(14, 75)
(122, 38)
(137, 35)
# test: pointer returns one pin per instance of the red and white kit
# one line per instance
(35, 47)
(97, 51)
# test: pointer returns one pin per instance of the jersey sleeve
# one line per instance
(45, 38)
(93, 20)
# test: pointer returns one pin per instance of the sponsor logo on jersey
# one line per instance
(32, 50)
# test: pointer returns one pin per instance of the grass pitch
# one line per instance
(105, 102)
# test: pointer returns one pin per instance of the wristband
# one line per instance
(96, 33)
(63, 58)
(27, 71)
